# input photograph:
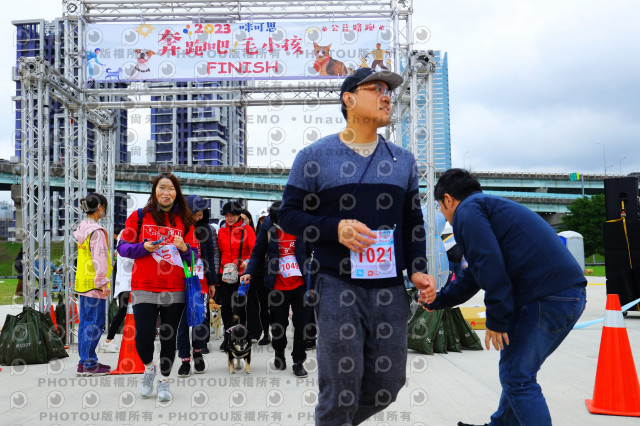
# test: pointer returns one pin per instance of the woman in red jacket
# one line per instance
(235, 240)
(159, 240)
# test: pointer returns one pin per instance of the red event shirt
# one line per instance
(149, 274)
(286, 247)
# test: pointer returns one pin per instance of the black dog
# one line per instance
(238, 347)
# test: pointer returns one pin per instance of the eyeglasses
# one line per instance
(381, 90)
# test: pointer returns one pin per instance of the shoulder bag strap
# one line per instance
(241, 244)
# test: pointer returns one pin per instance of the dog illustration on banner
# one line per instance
(325, 64)
(113, 74)
(141, 71)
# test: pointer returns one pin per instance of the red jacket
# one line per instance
(149, 274)
(229, 243)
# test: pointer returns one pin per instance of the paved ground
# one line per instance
(441, 389)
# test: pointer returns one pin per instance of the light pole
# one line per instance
(621, 164)
(604, 157)
(464, 160)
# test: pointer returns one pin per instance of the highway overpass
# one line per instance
(545, 193)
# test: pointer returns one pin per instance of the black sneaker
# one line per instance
(205, 350)
(299, 371)
(223, 347)
(185, 369)
(279, 362)
(469, 424)
(198, 363)
(265, 340)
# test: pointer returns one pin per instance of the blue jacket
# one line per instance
(267, 245)
(207, 237)
(513, 255)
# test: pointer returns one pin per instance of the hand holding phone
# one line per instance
(158, 241)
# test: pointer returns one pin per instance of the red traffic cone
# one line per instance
(129, 362)
(617, 391)
(53, 318)
(75, 319)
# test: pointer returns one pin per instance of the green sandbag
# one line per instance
(24, 344)
(52, 340)
(423, 327)
(5, 337)
(468, 337)
(453, 338)
(440, 341)
(30, 338)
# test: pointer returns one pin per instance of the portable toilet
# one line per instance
(575, 243)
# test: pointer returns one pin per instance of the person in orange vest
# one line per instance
(92, 283)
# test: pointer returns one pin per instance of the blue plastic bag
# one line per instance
(193, 295)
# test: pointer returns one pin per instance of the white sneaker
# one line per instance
(146, 385)
(164, 394)
(109, 347)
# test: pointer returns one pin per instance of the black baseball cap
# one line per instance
(232, 207)
(363, 75)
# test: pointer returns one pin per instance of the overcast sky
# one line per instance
(548, 86)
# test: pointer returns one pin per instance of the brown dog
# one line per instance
(325, 64)
(215, 320)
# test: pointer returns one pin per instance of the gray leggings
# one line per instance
(361, 349)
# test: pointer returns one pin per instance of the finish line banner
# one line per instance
(236, 51)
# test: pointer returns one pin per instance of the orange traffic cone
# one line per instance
(129, 362)
(617, 391)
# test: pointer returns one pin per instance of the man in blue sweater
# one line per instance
(534, 288)
(354, 196)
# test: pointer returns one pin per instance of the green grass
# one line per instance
(9, 250)
(7, 290)
(598, 271)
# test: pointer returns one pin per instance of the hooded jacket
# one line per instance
(99, 253)
(229, 238)
(207, 237)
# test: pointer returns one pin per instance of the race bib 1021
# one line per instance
(376, 261)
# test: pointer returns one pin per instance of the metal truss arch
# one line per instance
(85, 106)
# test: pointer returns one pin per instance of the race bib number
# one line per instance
(168, 253)
(289, 267)
(199, 269)
(376, 261)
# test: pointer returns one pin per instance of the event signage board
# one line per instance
(236, 51)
